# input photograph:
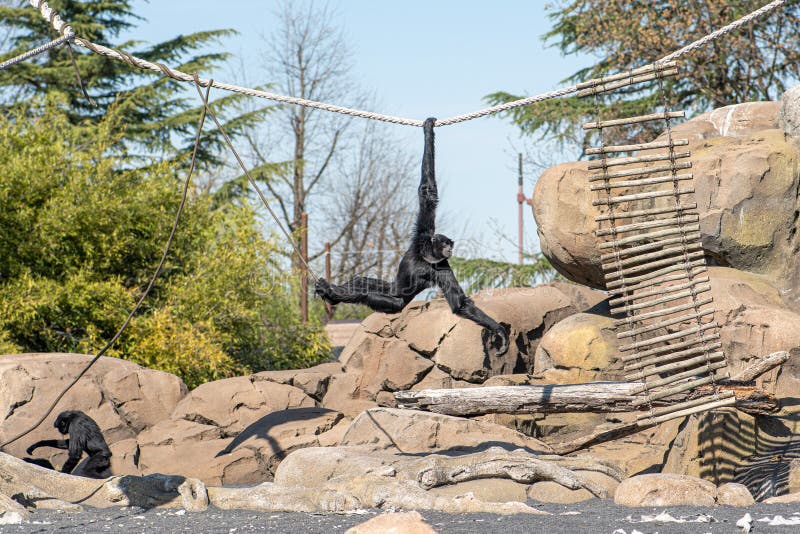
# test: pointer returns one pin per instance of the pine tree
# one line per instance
(159, 115)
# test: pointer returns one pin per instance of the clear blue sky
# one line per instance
(420, 58)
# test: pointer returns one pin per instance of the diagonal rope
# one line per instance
(146, 291)
(36, 51)
(119, 55)
(253, 183)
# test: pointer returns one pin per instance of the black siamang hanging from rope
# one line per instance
(423, 266)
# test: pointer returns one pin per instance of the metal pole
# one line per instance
(328, 307)
(303, 268)
(520, 200)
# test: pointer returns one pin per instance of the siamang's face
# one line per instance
(62, 423)
(442, 248)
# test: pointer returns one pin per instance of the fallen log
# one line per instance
(596, 397)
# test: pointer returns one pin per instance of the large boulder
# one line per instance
(211, 454)
(665, 490)
(411, 431)
(427, 346)
(789, 113)
(745, 180)
(121, 396)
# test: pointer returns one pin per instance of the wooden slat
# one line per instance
(646, 267)
(639, 171)
(655, 302)
(669, 337)
(646, 213)
(689, 404)
(630, 80)
(694, 271)
(669, 322)
(660, 350)
(663, 313)
(697, 371)
(648, 236)
(660, 291)
(613, 162)
(675, 366)
(666, 252)
(634, 120)
(642, 182)
(611, 149)
(648, 421)
(656, 223)
(685, 386)
(614, 284)
(690, 238)
(627, 74)
(643, 196)
(710, 347)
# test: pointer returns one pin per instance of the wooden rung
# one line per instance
(630, 80)
(642, 181)
(645, 267)
(675, 346)
(613, 162)
(663, 300)
(682, 266)
(685, 208)
(633, 365)
(663, 290)
(675, 366)
(652, 67)
(648, 236)
(664, 312)
(611, 149)
(659, 281)
(674, 408)
(689, 239)
(668, 337)
(663, 253)
(634, 120)
(657, 223)
(669, 322)
(701, 407)
(639, 171)
(642, 196)
(697, 371)
(705, 357)
(673, 390)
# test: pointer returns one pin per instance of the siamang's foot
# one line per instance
(323, 290)
(30, 450)
(497, 340)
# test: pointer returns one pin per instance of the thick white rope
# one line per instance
(35, 52)
(65, 29)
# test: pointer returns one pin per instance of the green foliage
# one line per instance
(158, 115)
(756, 62)
(82, 234)
(481, 273)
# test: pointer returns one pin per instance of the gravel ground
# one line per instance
(592, 516)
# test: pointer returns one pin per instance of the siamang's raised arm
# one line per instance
(463, 306)
(57, 443)
(428, 193)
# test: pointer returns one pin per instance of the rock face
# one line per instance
(121, 396)
(665, 490)
(745, 174)
(427, 346)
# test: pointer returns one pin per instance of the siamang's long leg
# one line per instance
(96, 466)
(371, 292)
(57, 443)
(463, 306)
